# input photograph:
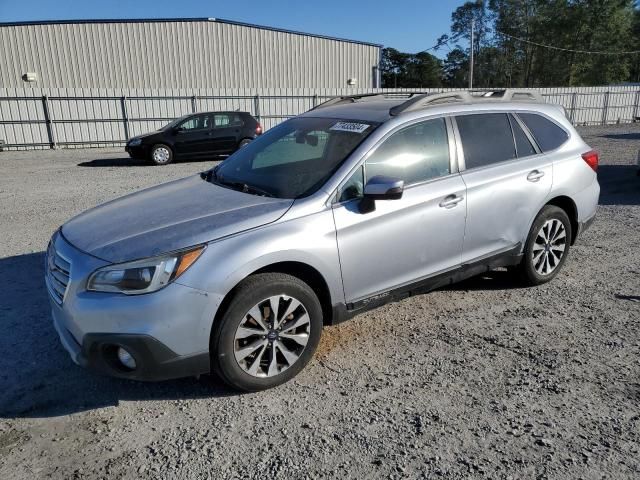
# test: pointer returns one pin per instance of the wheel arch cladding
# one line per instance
(569, 206)
(302, 271)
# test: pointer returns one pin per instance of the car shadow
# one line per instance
(619, 185)
(37, 376)
(492, 280)
(134, 162)
(622, 136)
(115, 162)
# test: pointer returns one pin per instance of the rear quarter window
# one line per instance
(547, 134)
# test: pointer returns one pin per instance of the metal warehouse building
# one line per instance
(179, 53)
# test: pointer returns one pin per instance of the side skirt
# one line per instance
(342, 312)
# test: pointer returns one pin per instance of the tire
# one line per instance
(242, 350)
(161, 154)
(244, 142)
(544, 258)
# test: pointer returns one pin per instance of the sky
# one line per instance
(409, 26)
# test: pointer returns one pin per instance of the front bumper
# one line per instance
(139, 151)
(154, 360)
(166, 332)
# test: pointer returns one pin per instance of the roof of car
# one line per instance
(382, 107)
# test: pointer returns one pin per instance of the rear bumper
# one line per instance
(584, 226)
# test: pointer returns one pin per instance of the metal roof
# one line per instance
(194, 19)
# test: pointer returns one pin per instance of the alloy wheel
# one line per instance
(549, 246)
(272, 336)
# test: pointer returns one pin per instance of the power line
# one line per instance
(632, 52)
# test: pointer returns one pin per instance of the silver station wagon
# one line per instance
(361, 201)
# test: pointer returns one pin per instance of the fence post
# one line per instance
(256, 106)
(636, 112)
(125, 117)
(573, 107)
(605, 108)
(315, 100)
(47, 120)
(194, 108)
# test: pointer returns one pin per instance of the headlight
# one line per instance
(143, 276)
(134, 142)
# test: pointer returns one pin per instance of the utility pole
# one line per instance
(473, 21)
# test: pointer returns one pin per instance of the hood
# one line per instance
(145, 135)
(168, 217)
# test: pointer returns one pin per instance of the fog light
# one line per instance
(126, 358)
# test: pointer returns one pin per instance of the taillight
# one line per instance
(591, 157)
(259, 129)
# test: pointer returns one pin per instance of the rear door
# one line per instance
(406, 240)
(227, 128)
(193, 137)
(507, 180)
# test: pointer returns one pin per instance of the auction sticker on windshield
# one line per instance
(350, 127)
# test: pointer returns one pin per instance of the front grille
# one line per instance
(58, 270)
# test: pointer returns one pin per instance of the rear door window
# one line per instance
(523, 145)
(486, 139)
(548, 135)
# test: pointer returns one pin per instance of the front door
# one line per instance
(406, 240)
(194, 136)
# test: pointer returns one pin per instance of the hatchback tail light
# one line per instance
(591, 157)
(259, 129)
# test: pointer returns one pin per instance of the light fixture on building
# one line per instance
(352, 81)
(30, 77)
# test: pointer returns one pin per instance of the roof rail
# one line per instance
(466, 96)
(364, 96)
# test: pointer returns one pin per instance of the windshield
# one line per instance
(293, 159)
(173, 123)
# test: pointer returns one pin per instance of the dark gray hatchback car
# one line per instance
(199, 135)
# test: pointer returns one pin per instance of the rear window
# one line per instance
(486, 139)
(225, 120)
(548, 135)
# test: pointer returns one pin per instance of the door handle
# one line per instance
(535, 175)
(451, 201)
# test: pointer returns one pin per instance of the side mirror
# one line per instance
(380, 188)
(177, 130)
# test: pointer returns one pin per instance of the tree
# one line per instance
(406, 70)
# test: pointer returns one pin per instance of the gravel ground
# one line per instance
(485, 379)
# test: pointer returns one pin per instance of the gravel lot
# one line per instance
(485, 379)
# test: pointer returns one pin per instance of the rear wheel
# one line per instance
(547, 246)
(268, 333)
(161, 154)
(244, 142)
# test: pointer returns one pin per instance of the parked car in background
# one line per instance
(199, 135)
(359, 202)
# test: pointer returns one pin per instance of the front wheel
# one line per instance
(161, 154)
(268, 332)
(547, 246)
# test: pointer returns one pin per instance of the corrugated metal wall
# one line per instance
(179, 54)
(107, 117)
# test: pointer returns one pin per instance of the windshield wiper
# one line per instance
(245, 188)
(212, 176)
